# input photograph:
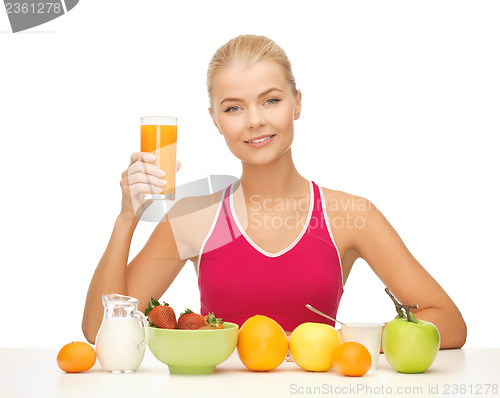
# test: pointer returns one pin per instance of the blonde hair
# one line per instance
(248, 49)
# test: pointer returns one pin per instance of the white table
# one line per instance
(33, 373)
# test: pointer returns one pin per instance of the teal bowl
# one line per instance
(193, 351)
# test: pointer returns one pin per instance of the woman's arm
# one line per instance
(153, 269)
(148, 275)
(381, 247)
(109, 276)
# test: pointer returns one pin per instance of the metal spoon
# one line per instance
(322, 314)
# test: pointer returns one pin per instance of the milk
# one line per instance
(118, 344)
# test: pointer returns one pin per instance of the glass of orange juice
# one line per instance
(159, 137)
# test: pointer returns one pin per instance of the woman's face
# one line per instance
(251, 103)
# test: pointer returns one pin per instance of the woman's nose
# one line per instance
(255, 118)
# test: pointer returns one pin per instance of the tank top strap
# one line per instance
(318, 224)
(317, 198)
(317, 211)
(226, 214)
(224, 229)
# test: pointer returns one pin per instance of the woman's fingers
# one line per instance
(138, 163)
(143, 188)
(141, 178)
(140, 167)
(144, 156)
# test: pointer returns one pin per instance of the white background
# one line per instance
(400, 105)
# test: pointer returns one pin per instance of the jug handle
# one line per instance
(144, 325)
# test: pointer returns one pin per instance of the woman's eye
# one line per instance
(271, 101)
(232, 109)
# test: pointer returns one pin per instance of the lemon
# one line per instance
(312, 344)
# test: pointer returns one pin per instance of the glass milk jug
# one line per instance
(123, 335)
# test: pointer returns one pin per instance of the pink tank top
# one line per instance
(237, 279)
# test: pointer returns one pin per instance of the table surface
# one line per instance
(33, 372)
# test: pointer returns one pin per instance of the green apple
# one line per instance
(410, 345)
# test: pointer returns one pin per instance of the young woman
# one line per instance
(272, 241)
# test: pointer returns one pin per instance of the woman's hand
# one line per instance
(141, 177)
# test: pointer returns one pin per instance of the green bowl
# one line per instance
(193, 351)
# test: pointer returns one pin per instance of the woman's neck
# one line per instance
(278, 179)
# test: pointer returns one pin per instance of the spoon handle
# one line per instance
(322, 314)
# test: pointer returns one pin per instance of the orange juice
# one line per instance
(159, 137)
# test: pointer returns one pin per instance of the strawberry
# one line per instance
(189, 320)
(160, 315)
(207, 327)
(213, 321)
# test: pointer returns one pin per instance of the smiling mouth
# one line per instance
(261, 139)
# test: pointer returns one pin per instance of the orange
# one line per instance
(352, 359)
(312, 344)
(76, 357)
(262, 343)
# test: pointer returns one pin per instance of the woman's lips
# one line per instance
(260, 142)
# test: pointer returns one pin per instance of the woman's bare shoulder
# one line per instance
(344, 202)
(347, 214)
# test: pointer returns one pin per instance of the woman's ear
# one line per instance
(213, 120)
(298, 106)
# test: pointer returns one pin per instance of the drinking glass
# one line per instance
(159, 137)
